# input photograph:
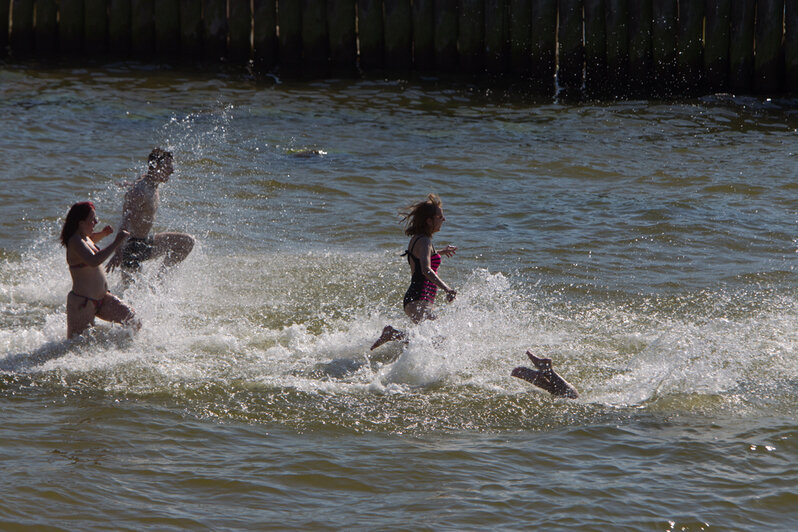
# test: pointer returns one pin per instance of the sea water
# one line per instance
(648, 248)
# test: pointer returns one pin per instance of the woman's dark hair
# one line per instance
(417, 214)
(77, 213)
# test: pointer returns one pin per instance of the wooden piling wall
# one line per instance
(664, 22)
(46, 35)
(595, 47)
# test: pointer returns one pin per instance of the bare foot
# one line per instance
(545, 377)
(388, 334)
(539, 362)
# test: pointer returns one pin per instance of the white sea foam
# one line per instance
(302, 315)
(200, 328)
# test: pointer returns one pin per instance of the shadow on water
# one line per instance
(341, 368)
(26, 362)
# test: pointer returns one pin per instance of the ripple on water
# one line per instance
(647, 247)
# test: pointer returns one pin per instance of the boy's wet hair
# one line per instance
(157, 157)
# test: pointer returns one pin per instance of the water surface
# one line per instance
(648, 247)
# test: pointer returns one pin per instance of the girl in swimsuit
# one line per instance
(422, 220)
(89, 297)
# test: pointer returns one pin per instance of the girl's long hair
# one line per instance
(77, 213)
(416, 215)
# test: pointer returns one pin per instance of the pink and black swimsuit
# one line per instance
(420, 288)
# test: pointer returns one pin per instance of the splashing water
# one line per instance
(271, 316)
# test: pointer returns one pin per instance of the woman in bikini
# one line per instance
(89, 297)
(422, 220)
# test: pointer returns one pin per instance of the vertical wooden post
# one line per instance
(95, 27)
(521, 36)
(371, 32)
(398, 34)
(240, 20)
(716, 49)
(640, 19)
(768, 58)
(595, 47)
(264, 21)
(22, 28)
(214, 29)
(167, 28)
(142, 23)
(471, 35)
(289, 21)
(191, 29)
(741, 48)
(423, 34)
(544, 44)
(70, 26)
(497, 36)
(315, 39)
(617, 19)
(690, 43)
(46, 26)
(663, 46)
(446, 35)
(571, 52)
(343, 38)
(791, 47)
(119, 27)
(4, 12)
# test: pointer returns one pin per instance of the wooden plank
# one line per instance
(22, 36)
(768, 67)
(289, 20)
(167, 28)
(4, 33)
(315, 40)
(46, 33)
(342, 35)
(398, 34)
(119, 27)
(544, 44)
(214, 29)
(572, 51)
(423, 34)
(716, 47)
(446, 57)
(741, 47)
(663, 46)
(95, 26)
(142, 24)
(264, 32)
(190, 29)
(70, 26)
(371, 33)
(690, 44)
(595, 47)
(497, 36)
(521, 35)
(471, 35)
(617, 20)
(791, 47)
(240, 21)
(640, 19)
